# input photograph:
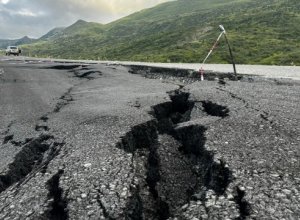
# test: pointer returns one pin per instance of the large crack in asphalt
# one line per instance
(215, 109)
(171, 163)
(186, 76)
(8, 138)
(37, 153)
(66, 67)
(25, 161)
(58, 207)
(263, 114)
(64, 100)
(80, 71)
(86, 74)
(243, 205)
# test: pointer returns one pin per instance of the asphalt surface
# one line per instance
(103, 141)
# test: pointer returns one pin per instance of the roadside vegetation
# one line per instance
(261, 32)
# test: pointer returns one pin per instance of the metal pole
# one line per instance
(230, 51)
(231, 55)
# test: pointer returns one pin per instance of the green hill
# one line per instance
(4, 43)
(261, 32)
(54, 33)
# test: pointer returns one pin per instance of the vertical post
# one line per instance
(231, 55)
(230, 51)
(202, 74)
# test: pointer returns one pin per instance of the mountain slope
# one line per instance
(52, 34)
(24, 40)
(264, 32)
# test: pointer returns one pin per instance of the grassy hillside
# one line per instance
(54, 33)
(264, 32)
(24, 40)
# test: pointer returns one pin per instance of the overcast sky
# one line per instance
(34, 18)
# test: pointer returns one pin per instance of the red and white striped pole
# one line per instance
(210, 52)
(201, 73)
(213, 47)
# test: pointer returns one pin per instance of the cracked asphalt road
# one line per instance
(93, 141)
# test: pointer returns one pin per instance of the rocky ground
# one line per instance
(100, 141)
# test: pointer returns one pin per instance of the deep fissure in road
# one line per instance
(177, 165)
(53, 151)
(58, 210)
(25, 161)
(8, 138)
(36, 153)
(79, 71)
(64, 100)
(215, 109)
(66, 67)
(243, 205)
(184, 75)
(86, 74)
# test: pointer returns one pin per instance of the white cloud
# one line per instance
(27, 12)
(5, 1)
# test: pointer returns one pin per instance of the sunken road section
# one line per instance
(185, 75)
(171, 163)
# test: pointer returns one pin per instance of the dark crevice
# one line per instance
(87, 75)
(103, 206)
(25, 161)
(17, 143)
(194, 167)
(8, 138)
(63, 101)
(211, 174)
(181, 106)
(184, 75)
(222, 82)
(153, 175)
(20, 143)
(51, 154)
(176, 111)
(44, 118)
(66, 67)
(234, 96)
(243, 205)
(41, 128)
(152, 178)
(140, 136)
(214, 109)
(135, 206)
(58, 210)
(264, 115)
(8, 128)
(79, 71)
(284, 83)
